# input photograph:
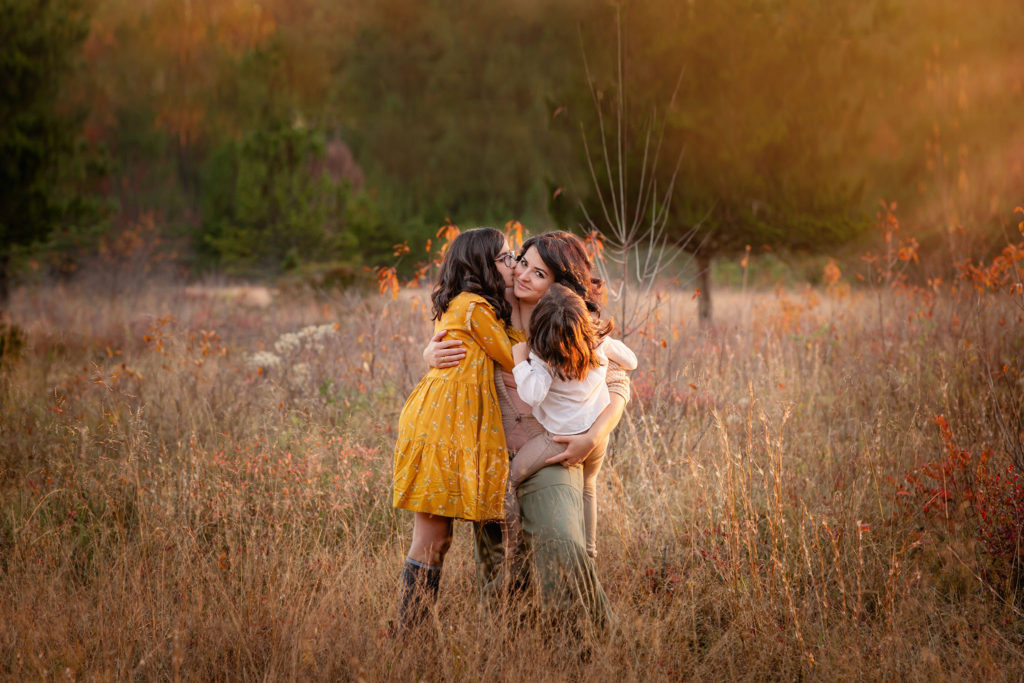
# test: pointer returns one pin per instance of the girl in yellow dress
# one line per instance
(451, 460)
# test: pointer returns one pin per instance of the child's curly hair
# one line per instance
(564, 333)
(469, 266)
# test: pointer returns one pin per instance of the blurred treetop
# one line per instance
(793, 117)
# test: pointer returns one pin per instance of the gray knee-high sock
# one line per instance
(419, 587)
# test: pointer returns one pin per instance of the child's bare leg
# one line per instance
(528, 460)
(421, 573)
(431, 538)
(531, 458)
(591, 468)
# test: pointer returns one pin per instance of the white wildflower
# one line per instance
(288, 344)
(319, 333)
(315, 335)
(300, 375)
(264, 359)
(310, 338)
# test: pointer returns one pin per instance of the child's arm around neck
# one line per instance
(618, 352)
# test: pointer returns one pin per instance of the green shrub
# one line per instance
(12, 341)
(266, 205)
(328, 276)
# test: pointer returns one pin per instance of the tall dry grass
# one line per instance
(198, 486)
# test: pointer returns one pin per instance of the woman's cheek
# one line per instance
(523, 294)
(539, 287)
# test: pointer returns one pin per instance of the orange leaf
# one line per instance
(832, 273)
(594, 245)
(514, 233)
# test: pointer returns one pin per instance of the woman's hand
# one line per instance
(577, 448)
(443, 353)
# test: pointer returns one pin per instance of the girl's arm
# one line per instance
(447, 353)
(532, 381)
(520, 352)
(490, 334)
(619, 353)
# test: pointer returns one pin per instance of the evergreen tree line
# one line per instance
(268, 135)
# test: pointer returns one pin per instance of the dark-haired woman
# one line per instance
(561, 373)
(562, 574)
(451, 460)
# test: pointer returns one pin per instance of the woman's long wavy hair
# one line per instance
(469, 266)
(564, 334)
(564, 254)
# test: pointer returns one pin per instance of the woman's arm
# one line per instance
(579, 446)
(443, 353)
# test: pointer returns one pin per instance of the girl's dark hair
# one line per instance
(469, 266)
(564, 254)
(564, 334)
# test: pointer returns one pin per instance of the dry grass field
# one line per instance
(195, 484)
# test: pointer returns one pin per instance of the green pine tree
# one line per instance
(45, 167)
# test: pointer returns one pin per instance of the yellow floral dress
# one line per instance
(451, 458)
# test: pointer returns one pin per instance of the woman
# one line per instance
(552, 499)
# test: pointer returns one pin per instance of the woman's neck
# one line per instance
(525, 310)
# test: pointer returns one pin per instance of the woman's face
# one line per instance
(532, 277)
(507, 271)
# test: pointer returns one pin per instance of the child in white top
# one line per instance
(561, 374)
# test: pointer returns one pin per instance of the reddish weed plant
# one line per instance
(971, 497)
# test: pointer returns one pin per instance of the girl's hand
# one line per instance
(443, 354)
(520, 352)
(578, 447)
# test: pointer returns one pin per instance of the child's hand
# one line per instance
(520, 352)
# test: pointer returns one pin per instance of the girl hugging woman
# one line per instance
(451, 460)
